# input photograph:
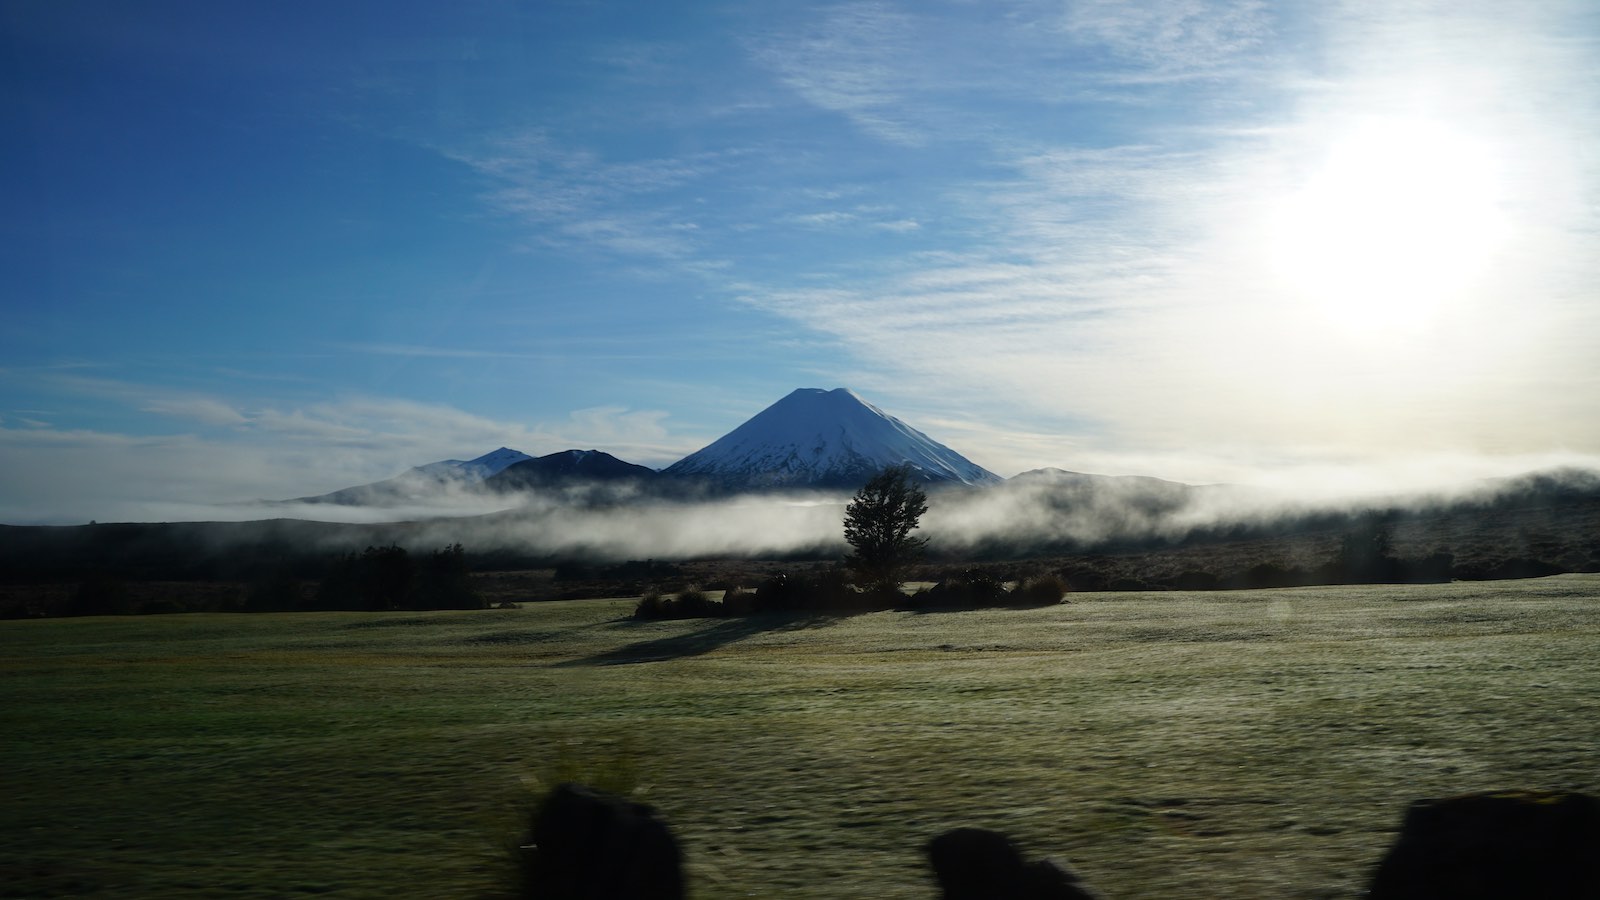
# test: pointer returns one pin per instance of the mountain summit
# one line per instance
(824, 439)
(568, 467)
(423, 483)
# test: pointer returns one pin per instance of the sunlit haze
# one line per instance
(253, 252)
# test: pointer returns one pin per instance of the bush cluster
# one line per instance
(977, 588)
(828, 590)
(689, 603)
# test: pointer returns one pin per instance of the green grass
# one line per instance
(1250, 744)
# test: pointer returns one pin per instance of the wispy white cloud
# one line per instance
(822, 219)
(575, 196)
(856, 60)
(423, 351)
(206, 410)
(1121, 295)
(54, 474)
(1163, 40)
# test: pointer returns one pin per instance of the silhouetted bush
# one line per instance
(776, 594)
(693, 603)
(1044, 590)
(737, 601)
(689, 603)
(827, 590)
(652, 605)
(974, 588)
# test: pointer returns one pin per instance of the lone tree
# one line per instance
(878, 524)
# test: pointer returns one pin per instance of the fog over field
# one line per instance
(1039, 510)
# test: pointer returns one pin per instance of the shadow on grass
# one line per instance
(695, 643)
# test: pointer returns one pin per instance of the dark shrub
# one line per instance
(689, 603)
(693, 603)
(828, 589)
(776, 594)
(1044, 590)
(737, 601)
(983, 588)
(653, 605)
(974, 588)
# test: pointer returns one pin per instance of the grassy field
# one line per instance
(1249, 744)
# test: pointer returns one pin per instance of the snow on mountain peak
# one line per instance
(478, 469)
(821, 438)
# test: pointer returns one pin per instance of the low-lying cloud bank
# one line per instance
(1048, 511)
(1042, 512)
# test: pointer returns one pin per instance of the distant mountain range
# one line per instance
(810, 439)
(521, 512)
(816, 439)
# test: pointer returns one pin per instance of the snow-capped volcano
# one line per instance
(819, 438)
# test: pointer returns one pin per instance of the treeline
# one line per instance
(378, 579)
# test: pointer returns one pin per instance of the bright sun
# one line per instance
(1399, 219)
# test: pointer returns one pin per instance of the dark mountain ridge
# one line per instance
(567, 467)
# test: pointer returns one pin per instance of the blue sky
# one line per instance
(268, 249)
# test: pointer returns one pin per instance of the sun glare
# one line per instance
(1398, 221)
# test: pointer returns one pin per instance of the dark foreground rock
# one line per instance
(585, 845)
(976, 864)
(1502, 845)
